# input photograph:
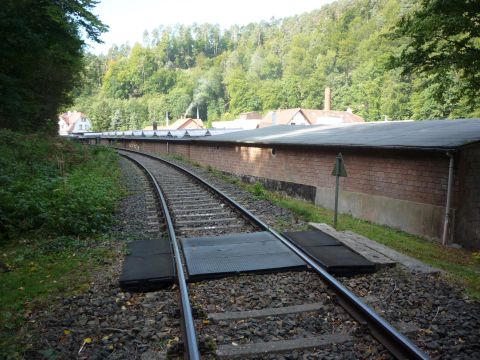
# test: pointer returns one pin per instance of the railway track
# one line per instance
(289, 315)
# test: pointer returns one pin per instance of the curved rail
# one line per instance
(398, 344)
(189, 326)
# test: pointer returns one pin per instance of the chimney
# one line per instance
(274, 118)
(154, 125)
(198, 116)
(166, 119)
(328, 99)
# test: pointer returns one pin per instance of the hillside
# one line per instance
(276, 64)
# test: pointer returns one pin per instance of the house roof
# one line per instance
(183, 123)
(315, 116)
(252, 115)
(427, 134)
(70, 118)
(284, 116)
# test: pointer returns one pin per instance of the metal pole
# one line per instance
(449, 199)
(337, 180)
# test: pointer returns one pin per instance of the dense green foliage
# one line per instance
(444, 43)
(54, 187)
(41, 56)
(287, 63)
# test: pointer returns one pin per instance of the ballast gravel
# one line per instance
(439, 318)
(124, 325)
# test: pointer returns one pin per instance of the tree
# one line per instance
(443, 37)
(287, 63)
(41, 58)
(117, 120)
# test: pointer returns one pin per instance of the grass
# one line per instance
(462, 266)
(39, 273)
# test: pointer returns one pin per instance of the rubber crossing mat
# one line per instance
(216, 256)
(148, 266)
(330, 253)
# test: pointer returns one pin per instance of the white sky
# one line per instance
(128, 19)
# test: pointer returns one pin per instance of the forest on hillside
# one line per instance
(399, 59)
(347, 45)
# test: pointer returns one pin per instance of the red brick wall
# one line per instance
(417, 177)
(467, 199)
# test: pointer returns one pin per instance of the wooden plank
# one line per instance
(380, 254)
(374, 256)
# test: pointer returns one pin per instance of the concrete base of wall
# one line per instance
(412, 217)
(301, 191)
(415, 218)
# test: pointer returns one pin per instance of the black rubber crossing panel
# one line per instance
(312, 238)
(148, 266)
(330, 253)
(217, 256)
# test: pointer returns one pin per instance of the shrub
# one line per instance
(54, 186)
(258, 190)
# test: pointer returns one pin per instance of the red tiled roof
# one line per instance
(72, 117)
(284, 116)
(188, 123)
(347, 117)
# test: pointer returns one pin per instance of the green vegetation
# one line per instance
(346, 45)
(41, 58)
(55, 187)
(56, 198)
(443, 43)
(462, 266)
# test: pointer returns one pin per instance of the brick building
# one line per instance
(398, 172)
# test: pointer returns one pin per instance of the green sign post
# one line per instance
(338, 170)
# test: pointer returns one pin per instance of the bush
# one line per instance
(54, 186)
(258, 190)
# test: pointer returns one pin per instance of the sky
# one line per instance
(128, 19)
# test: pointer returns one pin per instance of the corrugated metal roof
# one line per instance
(427, 134)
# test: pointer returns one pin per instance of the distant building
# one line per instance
(73, 122)
(246, 121)
(299, 116)
(183, 123)
(186, 123)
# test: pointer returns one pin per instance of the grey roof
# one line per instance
(427, 134)
(222, 131)
(197, 132)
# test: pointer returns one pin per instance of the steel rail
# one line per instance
(399, 345)
(189, 326)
